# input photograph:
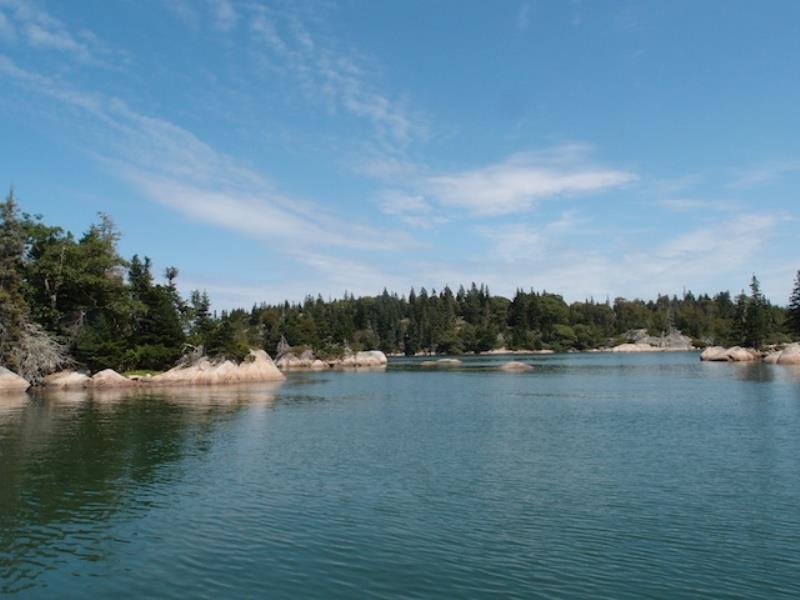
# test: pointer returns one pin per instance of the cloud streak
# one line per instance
(331, 76)
(173, 167)
(40, 30)
(518, 183)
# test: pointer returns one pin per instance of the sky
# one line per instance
(272, 150)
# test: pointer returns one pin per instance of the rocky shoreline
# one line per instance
(785, 355)
(259, 367)
(288, 360)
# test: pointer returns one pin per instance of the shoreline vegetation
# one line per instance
(75, 313)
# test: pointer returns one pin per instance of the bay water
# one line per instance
(592, 475)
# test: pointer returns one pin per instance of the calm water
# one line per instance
(594, 475)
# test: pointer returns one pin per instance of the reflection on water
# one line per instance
(591, 476)
(74, 460)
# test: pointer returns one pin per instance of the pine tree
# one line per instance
(757, 322)
(13, 308)
(793, 311)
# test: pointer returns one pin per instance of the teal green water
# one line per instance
(595, 475)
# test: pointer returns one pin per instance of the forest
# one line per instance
(68, 300)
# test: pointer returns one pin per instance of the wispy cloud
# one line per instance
(702, 259)
(224, 14)
(335, 77)
(41, 30)
(7, 31)
(766, 173)
(713, 205)
(175, 168)
(518, 183)
(413, 210)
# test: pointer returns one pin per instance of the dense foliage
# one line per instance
(75, 299)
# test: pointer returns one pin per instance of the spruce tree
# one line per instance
(793, 310)
(757, 317)
(13, 308)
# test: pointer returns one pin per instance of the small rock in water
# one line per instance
(516, 366)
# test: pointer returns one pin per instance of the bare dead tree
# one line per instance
(38, 354)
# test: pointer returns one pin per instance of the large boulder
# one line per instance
(67, 379)
(790, 355)
(370, 358)
(258, 367)
(109, 378)
(734, 354)
(11, 382)
(289, 360)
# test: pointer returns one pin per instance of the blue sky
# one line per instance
(276, 149)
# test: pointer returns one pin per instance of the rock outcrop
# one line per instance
(258, 367)
(64, 380)
(109, 378)
(289, 360)
(638, 347)
(640, 341)
(734, 354)
(369, 358)
(504, 350)
(790, 355)
(307, 360)
(516, 366)
(11, 382)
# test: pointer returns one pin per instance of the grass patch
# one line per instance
(141, 373)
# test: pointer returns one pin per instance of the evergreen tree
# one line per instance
(13, 308)
(793, 311)
(757, 322)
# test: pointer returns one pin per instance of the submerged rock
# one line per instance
(516, 366)
(11, 382)
(442, 362)
(734, 354)
(66, 380)
(257, 368)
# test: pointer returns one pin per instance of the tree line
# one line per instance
(67, 299)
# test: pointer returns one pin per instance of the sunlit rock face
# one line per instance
(11, 382)
(734, 354)
(66, 380)
(257, 368)
(790, 355)
(109, 378)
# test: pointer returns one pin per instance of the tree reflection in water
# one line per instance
(71, 462)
